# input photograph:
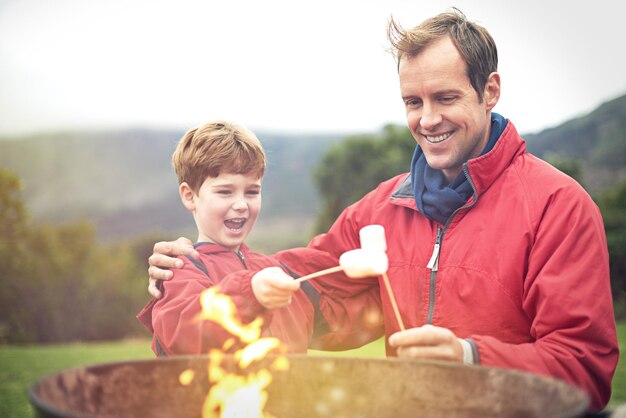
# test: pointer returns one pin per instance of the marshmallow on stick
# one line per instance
(362, 263)
(367, 261)
(373, 242)
(356, 264)
(371, 258)
(373, 238)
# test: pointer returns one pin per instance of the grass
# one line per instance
(21, 366)
(619, 380)
(375, 349)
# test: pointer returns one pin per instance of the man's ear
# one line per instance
(187, 196)
(491, 94)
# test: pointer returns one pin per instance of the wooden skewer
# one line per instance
(394, 305)
(331, 270)
(319, 273)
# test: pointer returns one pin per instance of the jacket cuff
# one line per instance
(470, 352)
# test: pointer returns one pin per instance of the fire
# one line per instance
(256, 350)
(238, 396)
(220, 308)
(243, 394)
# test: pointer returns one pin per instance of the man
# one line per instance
(495, 257)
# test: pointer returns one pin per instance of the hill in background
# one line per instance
(122, 181)
(596, 140)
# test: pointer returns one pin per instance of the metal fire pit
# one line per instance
(312, 387)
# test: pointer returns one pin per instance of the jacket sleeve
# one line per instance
(348, 311)
(176, 317)
(567, 296)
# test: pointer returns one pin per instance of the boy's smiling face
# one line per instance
(225, 208)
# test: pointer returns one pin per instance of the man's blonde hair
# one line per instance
(473, 42)
(215, 148)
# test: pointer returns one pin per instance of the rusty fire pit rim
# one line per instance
(38, 405)
(45, 407)
(192, 357)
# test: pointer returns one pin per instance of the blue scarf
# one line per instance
(435, 197)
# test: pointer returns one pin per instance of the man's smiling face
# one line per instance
(444, 113)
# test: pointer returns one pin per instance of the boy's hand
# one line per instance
(273, 287)
(163, 258)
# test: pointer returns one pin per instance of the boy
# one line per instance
(219, 167)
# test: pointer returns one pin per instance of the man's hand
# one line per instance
(164, 258)
(273, 287)
(428, 342)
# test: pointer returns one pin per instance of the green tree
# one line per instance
(83, 290)
(14, 257)
(59, 284)
(572, 168)
(356, 165)
(114, 290)
(60, 308)
(613, 207)
(13, 216)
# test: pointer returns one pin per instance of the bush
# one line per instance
(59, 284)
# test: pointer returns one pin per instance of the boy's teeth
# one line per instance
(234, 224)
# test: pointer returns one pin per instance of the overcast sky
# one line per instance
(283, 65)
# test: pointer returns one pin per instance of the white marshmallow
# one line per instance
(373, 238)
(363, 263)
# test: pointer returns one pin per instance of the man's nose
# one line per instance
(431, 117)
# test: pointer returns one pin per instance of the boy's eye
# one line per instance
(224, 192)
(253, 192)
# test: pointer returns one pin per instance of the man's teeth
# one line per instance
(438, 138)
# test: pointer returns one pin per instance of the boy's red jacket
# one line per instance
(522, 271)
(173, 319)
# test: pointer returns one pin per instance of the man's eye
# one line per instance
(412, 103)
(447, 99)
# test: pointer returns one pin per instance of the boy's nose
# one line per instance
(240, 204)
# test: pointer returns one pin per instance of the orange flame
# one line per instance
(220, 308)
(236, 395)
(255, 351)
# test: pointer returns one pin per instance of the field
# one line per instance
(21, 366)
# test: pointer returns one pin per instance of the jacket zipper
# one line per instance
(433, 263)
(267, 331)
(241, 258)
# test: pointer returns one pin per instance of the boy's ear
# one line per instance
(187, 196)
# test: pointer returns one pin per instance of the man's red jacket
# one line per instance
(521, 271)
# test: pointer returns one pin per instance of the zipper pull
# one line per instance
(434, 259)
(433, 264)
